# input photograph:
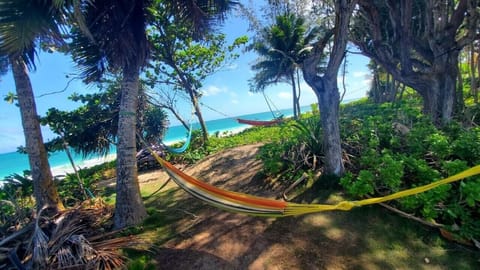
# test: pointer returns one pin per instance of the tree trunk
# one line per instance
(438, 91)
(375, 89)
(179, 118)
(129, 207)
(326, 88)
(199, 115)
(329, 106)
(472, 71)
(328, 97)
(294, 92)
(459, 98)
(44, 189)
(299, 110)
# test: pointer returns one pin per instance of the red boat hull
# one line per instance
(258, 122)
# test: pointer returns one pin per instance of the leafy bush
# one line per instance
(16, 201)
(70, 190)
(387, 159)
(298, 148)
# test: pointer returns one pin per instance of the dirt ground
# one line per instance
(367, 238)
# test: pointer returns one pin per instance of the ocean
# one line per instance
(14, 162)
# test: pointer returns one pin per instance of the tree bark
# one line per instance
(44, 189)
(199, 115)
(438, 89)
(129, 207)
(419, 43)
(329, 105)
(326, 87)
(472, 71)
(295, 99)
(299, 110)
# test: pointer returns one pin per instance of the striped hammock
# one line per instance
(258, 206)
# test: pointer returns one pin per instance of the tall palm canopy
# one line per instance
(203, 14)
(117, 38)
(118, 43)
(25, 24)
(282, 49)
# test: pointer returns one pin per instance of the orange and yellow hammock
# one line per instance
(258, 206)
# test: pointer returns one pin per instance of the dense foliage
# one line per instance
(399, 148)
(17, 202)
(92, 128)
(389, 148)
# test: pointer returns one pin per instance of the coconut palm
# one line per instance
(24, 24)
(282, 48)
(118, 44)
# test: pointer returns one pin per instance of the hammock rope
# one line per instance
(257, 206)
(185, 146)
(277, 116)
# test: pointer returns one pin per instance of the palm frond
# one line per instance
(26, 23)
(88, 57)
(202, 14)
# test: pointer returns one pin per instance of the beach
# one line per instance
(16, 163)
(87, 163)
(64, 169)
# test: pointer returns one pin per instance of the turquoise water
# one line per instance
(16, 163)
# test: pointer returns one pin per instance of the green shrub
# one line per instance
(386, 161)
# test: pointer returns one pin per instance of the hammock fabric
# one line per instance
(184, 147)
(258, 206)
(258, 122)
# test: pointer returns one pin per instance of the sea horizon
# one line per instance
(15, 163)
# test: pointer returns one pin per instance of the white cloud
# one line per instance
(358, 74)
(285, 95)
(233, 66)
(367, 81)
(212, 90)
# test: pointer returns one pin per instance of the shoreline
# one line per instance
(66, 168)
(62, 170)
(15, 163)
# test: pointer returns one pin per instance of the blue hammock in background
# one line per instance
(184, 147)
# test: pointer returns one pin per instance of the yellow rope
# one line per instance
(299, 209)
(289, 209)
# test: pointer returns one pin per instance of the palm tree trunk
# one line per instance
(44, 189)
(129, 207)
(294, 92)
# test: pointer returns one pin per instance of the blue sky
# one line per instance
(226, 91)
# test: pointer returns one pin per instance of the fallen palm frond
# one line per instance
(78, 238)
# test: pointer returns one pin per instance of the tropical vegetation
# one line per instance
(419, 124)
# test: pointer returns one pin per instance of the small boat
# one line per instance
(259, 122)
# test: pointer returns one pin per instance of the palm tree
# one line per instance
(23, 25)
(118, 43)
(282, 49)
